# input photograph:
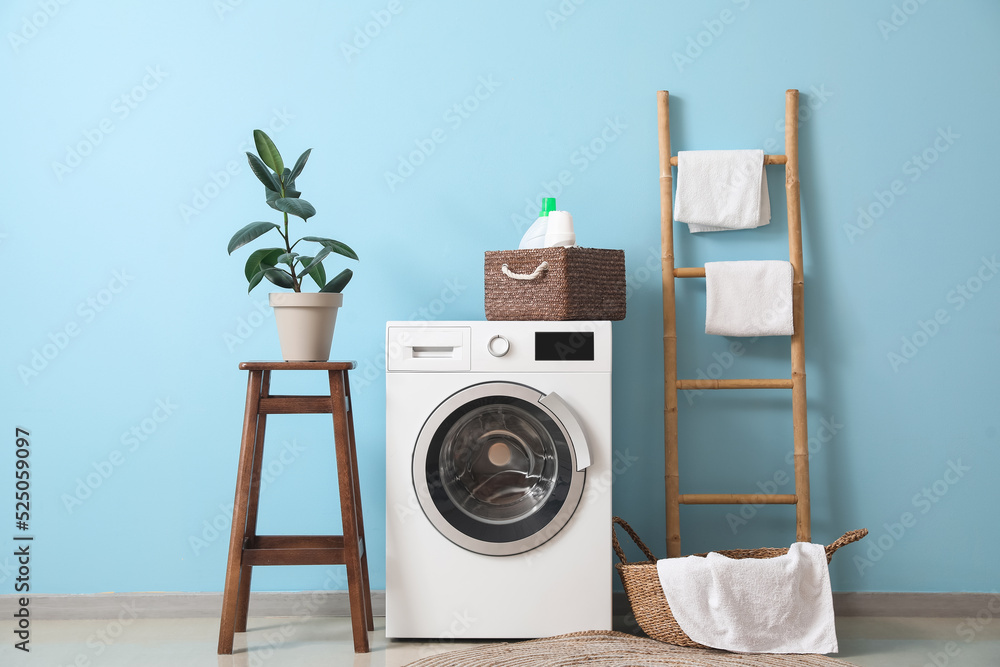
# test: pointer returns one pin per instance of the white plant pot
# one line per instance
(305, 323)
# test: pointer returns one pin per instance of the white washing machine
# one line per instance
(498, 479)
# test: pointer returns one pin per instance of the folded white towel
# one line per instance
(751, 605)
(748, 298)
(721, 190)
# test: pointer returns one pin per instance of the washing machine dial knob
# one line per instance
(498, 346)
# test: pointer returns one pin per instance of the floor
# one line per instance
(299, 641)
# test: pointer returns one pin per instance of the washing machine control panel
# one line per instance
(541, 347)
(498, 346)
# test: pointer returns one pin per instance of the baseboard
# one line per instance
(936, 605)
(189, 605)
(337, 603)
(928, 605)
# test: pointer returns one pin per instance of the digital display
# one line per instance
(564, 346)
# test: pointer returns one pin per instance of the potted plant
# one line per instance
(305, 320)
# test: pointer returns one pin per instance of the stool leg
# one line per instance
(227, 625)
(349, 512)
(366, 589)
(246, 571)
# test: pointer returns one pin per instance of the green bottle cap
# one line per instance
(548, 205)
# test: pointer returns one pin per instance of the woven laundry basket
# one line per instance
(642, 583)
(555, 284)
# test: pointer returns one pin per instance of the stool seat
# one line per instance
(297, 366)
(248, 549)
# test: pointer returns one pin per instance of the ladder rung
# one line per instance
(690, 272)
(737, 499)
(750, 383)
(768, 159)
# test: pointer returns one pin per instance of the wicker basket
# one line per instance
(555, 284)
(642, 583)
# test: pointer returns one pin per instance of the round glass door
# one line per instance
(494, 469)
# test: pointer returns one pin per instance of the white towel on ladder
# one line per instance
(751, 605)
(752, 298)
(721, 190)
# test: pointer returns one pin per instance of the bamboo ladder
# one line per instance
(797, 381)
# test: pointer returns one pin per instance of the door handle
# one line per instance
(578, 441)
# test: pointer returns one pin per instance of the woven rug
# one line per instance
(611, 649)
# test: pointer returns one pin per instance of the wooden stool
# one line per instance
(247, 548)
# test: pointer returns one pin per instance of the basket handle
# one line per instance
(847, 538)
(525, 276)
(635, 538)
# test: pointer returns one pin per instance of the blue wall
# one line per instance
(123, 246)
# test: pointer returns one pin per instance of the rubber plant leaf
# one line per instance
(264, 257)
(279, 277)
(263, 174)
(297, 207)
(299, 165)
(339, 282)
(249, 233)
(317, 272)
(333, 246)
(268, 151)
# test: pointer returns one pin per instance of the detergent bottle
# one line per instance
(535, 236)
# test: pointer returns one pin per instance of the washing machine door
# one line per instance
(499, 467)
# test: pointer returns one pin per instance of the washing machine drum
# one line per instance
(495, 467)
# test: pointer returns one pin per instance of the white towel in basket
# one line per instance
(721, 190)
(754, 605)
